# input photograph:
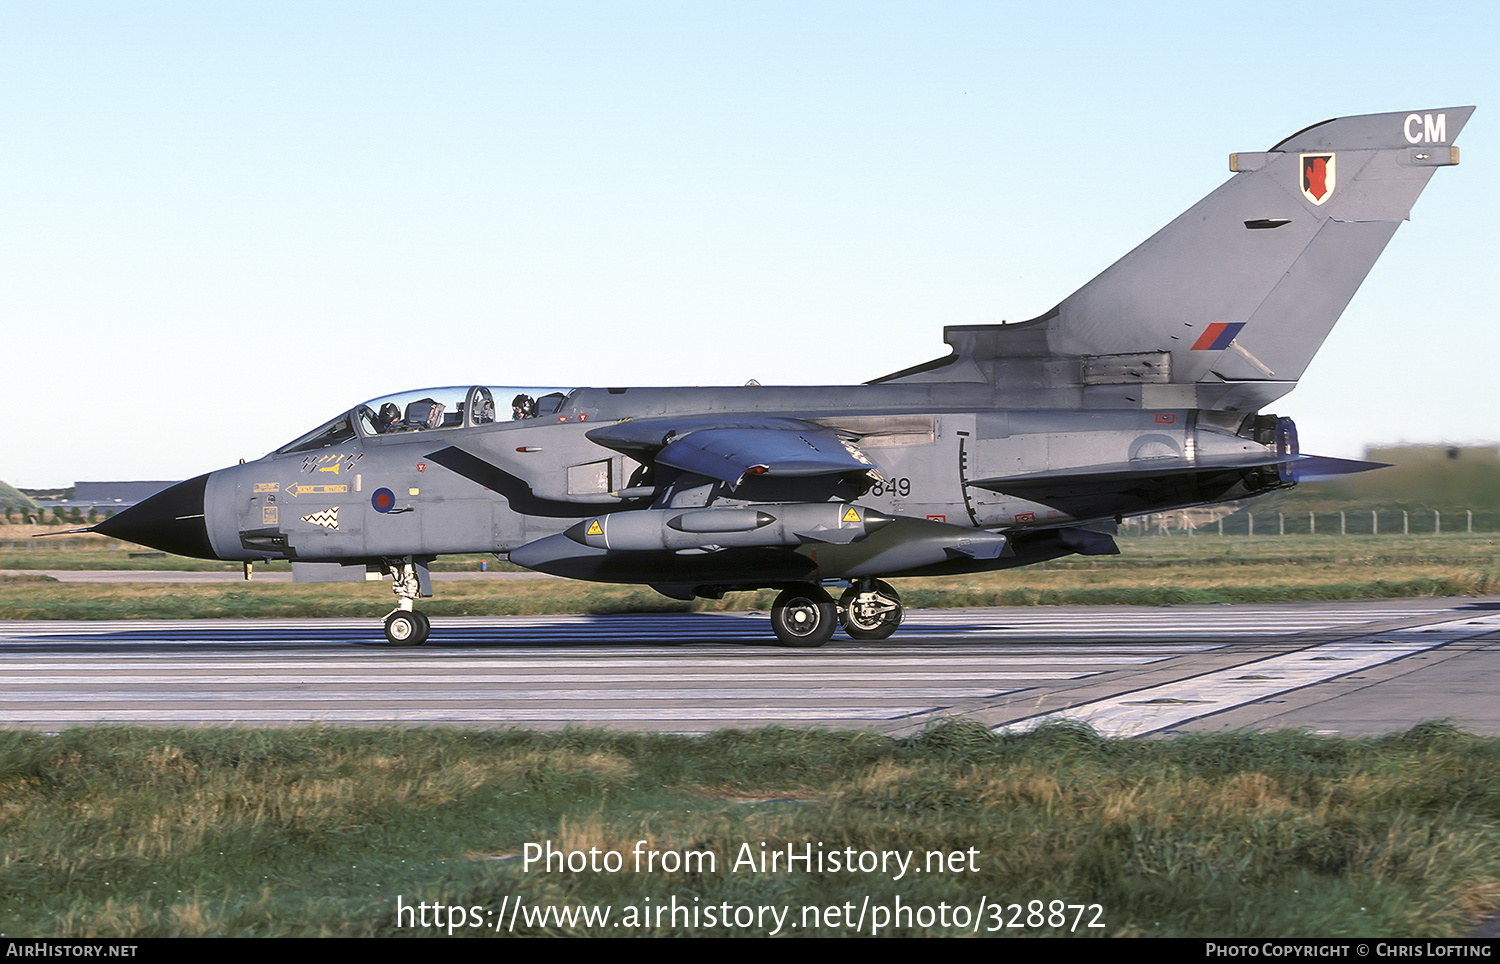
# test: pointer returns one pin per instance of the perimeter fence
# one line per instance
(1343, 522)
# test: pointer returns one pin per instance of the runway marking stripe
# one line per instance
(690, 682)
(653, 658)
(1161, 707)
(499, 674)
(987, 622)
(872, 661)
(1000, 653)
(441, 694)
(716, 718)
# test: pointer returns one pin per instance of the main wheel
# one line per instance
(407, 628)
(804, 616)
(870, 615)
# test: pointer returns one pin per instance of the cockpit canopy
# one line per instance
(430, 410)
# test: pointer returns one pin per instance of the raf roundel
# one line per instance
(383, 500)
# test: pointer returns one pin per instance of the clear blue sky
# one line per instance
(223, 223)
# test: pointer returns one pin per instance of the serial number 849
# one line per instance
(901, 487)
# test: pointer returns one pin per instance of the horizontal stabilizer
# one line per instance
(1128, 488)
(1103, 476)
(1304, 468)
(1311, 468)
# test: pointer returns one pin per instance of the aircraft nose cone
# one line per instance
(171, 520)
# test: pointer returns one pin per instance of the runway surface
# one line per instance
(1336, 667)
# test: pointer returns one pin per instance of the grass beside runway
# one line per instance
(115, 832)
(1150, 571)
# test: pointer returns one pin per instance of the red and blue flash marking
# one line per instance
(1218, 336)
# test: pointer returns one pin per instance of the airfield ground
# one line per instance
(112, 831)
(328, 832)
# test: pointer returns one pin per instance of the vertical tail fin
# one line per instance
(1228, 303)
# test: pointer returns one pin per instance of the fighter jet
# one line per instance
(1141, 392)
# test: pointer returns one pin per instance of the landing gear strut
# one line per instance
(870, 609)
(405, 626)
(804, 616)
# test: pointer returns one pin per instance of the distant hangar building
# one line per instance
(106, 496)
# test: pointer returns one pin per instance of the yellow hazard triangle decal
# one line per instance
(850, 515)
(594, 529)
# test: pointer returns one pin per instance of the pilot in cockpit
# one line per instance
(388, 419)
(522, 406)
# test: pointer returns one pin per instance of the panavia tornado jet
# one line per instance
(1139, 393)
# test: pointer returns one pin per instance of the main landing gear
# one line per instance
(870, 609)
(806, 616)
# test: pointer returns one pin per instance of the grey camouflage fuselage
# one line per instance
(1139, 393)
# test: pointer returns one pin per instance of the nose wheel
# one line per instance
(407, 627)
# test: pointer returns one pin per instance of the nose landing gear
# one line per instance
(405, 626)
